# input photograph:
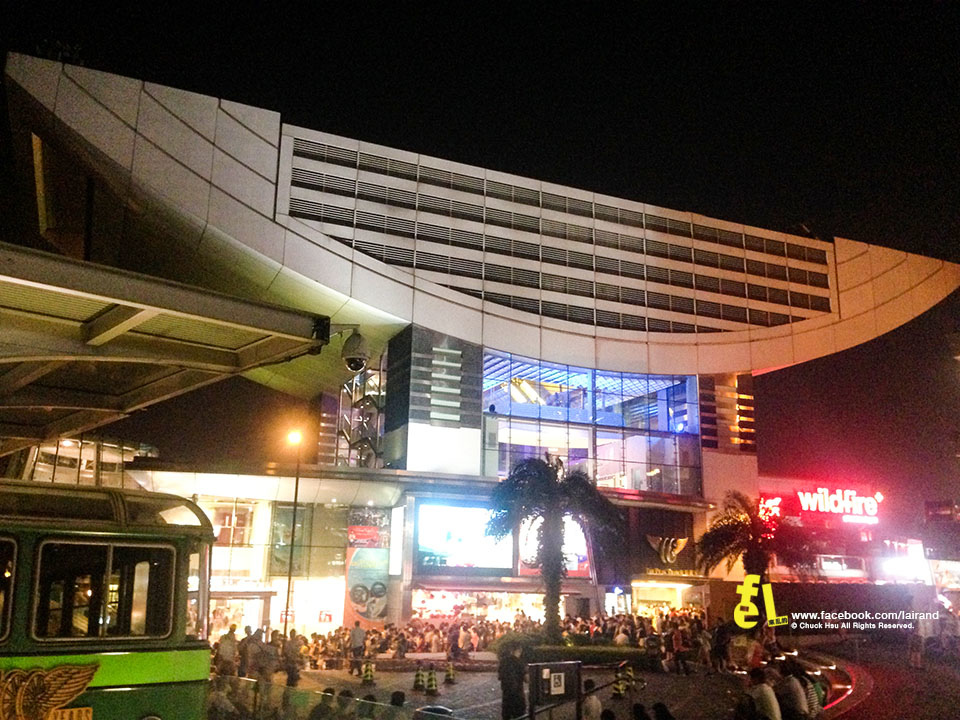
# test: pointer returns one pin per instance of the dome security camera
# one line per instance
(355, 353)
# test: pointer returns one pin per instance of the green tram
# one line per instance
(103, 604)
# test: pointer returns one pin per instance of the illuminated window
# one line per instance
(629, 430)
(7, 558)
(78, 598)
(232, 524)
(281, 536)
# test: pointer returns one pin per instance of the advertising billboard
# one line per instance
(451, 539)
(368, 527)
(574, 549)
(366, 586)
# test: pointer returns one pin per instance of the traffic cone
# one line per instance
(418, 682)
(450, 678)
(619, 686)
(628, 673)
(432, 682)
(367, 674)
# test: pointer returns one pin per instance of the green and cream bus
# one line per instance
(103, 604)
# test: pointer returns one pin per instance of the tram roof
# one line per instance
(109, 508)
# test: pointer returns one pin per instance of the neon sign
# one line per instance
(854, 508)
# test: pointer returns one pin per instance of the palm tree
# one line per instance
(537, 489)
(746, 529)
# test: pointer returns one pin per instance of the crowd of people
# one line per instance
(673, 640)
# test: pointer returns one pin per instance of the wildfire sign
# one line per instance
(849, 504)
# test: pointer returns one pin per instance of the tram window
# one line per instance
(70, 590)
(88, 506)
(198, 581)
(139, 592)
(7, 556)
(77, 597)
(169, 511)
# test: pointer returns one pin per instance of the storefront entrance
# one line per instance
(447, 605)
(239, 608)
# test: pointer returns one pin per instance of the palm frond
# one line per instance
(727, 539)
(592, 510)
(523, 494)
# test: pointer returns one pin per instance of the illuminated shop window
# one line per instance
(281, 533)
(232, 523)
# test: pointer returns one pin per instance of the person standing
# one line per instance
(510, 673)
(226, 659)
(591, 703)
(242, 651)
(252, 653)
(358, 639)
(680, 647)
(292, 658)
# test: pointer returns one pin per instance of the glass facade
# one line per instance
(628, 430)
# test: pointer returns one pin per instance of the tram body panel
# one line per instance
(102, 618)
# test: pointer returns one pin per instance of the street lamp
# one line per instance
(293, 438)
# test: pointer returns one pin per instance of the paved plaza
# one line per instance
(476, 694)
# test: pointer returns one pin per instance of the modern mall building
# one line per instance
(505, 317)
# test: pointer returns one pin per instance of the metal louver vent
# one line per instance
(527, 250)
(681, 304)
(432, 261)
(372, 249)
(500, 245)
(527, 304)
(497, 273)
(607, 264)
(556, 283)
(374, 163)
(553, 309)
(435, 233)
(553, 255)
(467, 268)
(633, 296)
(467, 239)
(526, 278)
(576, 286)
(402, 227)
(326, 153)
(398, 256)
(606, 291)
(575, 313)
(606, 318)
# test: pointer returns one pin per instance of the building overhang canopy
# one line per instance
(83, 345)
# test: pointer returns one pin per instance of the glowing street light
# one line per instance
(294, 437)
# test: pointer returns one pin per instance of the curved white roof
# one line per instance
(380, 237)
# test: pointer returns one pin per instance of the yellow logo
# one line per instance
(40, 694)
(748, 609)
(667, 547)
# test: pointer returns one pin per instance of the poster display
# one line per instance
(366, 588)
(368, 528)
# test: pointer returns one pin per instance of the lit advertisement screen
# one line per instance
(574, 548)
(452, 540)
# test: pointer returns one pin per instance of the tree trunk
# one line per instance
(551, 571)
(756, 562)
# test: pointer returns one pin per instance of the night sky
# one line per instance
(828, 119)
